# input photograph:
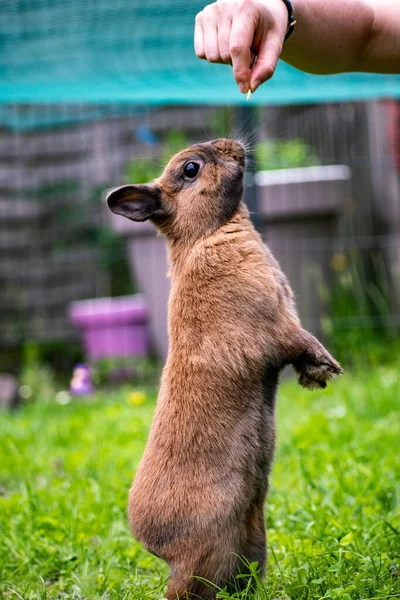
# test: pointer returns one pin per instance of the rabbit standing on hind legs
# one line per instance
(197, 500)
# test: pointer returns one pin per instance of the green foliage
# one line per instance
(36, 378)
(284, 154)
(143, 170)
(221, 121)
(119, 370)
(333, 511)
(174, 141)
(83, 226)
(358, 323)
(269, 154)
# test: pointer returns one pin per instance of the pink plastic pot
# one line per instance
(112, 327)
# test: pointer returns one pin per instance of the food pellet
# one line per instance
(248, 97)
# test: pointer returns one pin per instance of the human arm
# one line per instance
(330, 36)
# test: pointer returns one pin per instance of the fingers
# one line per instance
(199, 37)
(224, 34)
(240, 43)
(210, 28)
(212, 33)
(235, 31)
(207, 34)
(267, 58)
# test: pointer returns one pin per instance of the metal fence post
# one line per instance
(246, 126)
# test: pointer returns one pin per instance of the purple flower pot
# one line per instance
(112, 327)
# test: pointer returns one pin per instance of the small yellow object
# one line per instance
(339, 262)
(136, 398)
(248, 97)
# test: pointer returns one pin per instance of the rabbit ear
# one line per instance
(135, 202)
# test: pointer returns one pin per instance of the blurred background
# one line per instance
(97, 94)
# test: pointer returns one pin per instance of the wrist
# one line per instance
(278, 15)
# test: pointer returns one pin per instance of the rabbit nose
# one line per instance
(231, 148)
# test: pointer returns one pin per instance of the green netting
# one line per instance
(138, 51)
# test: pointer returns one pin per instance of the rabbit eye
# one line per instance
(191, 169)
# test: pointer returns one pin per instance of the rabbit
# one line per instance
(197, 500)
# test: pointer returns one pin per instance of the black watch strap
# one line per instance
(291, 19)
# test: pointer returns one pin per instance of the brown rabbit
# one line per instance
(198, 497)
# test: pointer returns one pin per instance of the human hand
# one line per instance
(247, 34)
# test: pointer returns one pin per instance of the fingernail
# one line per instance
(243, 88)
(255, 84)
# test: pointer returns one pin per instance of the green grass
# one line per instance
(333, 511)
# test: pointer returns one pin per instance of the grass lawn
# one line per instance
(333, 512)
